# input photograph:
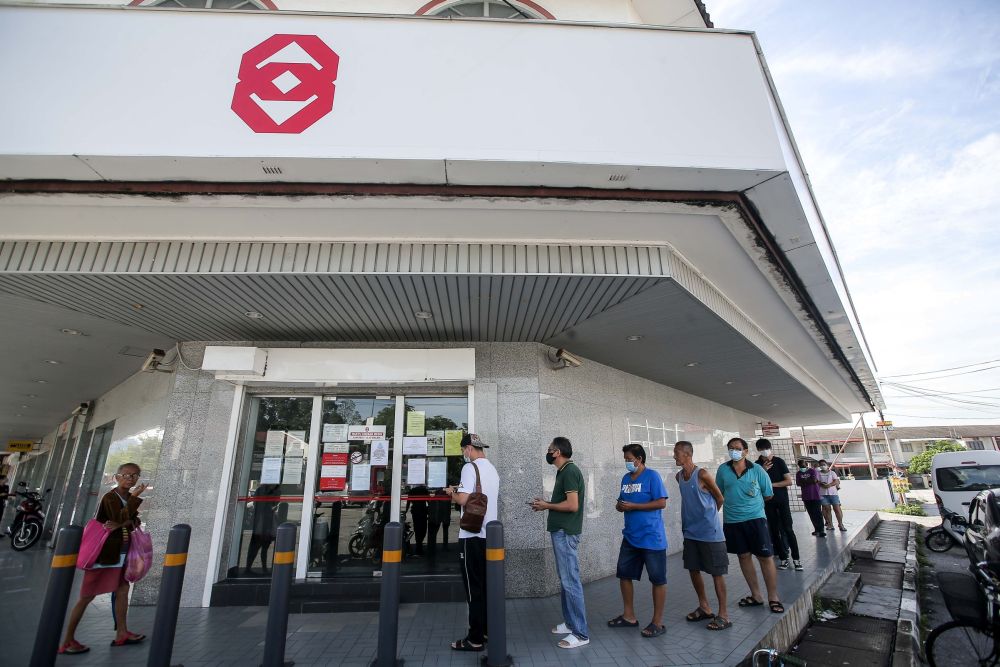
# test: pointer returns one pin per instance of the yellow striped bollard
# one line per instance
(57, 592)
(282, 569)
(496, 598)
(388, 606)
(161, 646)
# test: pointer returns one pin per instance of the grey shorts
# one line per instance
(708, 557)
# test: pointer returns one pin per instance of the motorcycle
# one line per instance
(948, 534)
(26, 529)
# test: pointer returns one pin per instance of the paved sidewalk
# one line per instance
(234, 635)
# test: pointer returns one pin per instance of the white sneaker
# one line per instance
(561, 629)
(572, 641)
(798, 565)
(784, 564)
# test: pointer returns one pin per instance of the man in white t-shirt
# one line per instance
(473, 545)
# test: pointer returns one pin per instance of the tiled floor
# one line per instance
(234, 635)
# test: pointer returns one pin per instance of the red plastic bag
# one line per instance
(140, 555)
(94, 537)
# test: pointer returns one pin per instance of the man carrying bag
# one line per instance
(477, 494)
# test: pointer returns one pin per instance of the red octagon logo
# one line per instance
(274, 96)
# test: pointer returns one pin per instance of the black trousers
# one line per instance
(473, 559)
(814, 507)
(779, 521)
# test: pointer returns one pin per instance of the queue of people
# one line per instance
(755, 524)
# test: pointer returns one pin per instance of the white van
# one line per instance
(957, 477)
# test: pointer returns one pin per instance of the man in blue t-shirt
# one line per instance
(644, 540)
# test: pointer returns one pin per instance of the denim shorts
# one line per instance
(830, 500)
(631, 560)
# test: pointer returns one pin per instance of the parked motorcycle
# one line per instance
(948, 534)
(26, 529)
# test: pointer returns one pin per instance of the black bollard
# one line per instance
(56, 597)
(388, 606)
(282, 569)
(496, 599)
(165, 625)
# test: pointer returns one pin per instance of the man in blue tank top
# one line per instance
(644, 539)
(704, 541)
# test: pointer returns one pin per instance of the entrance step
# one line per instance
(847, 641)
(839, 592)
(865, 549)
(878, 602)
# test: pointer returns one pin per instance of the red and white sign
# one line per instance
(770, 430)
(366, 433)
(334, 459)
(332, 483)
(286, 84)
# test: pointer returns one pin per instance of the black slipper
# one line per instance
(653, 630)
(620, 622)
(748, 601)
(465, 645)
(776, 607)
(698, 614)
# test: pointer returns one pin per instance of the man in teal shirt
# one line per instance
(565, 523)
(745, 487)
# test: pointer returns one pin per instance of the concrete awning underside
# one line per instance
(588, 299)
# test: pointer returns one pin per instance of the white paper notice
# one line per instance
(437, 473)
(361, 477)
(293, 471)
(380, 452)
(415, 445)
(270, 471)
(435, 443)
(297, 437)
(295, 448)
(335, 432)
(336, 447)
(416, 471)
(275, 444)
(333, 471)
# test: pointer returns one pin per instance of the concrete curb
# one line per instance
(797, 616)
(907, 649)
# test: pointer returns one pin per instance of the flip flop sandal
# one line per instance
(748, 601)
(572, 641)
(125, 642)
(776, 607)
(620, 622)
(698, 614)
(465, 645)
(73, 648)
(138, 636)
(719, 623)
(653, 630)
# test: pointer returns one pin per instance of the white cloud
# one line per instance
(881, 63)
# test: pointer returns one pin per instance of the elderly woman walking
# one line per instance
(119, 512)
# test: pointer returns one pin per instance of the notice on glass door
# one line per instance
(415, 446)
(275, 444)
(416, 471)
(380, 453)
(415, 422)
(336, 447)
(335, 432)
(270, 471)
(435, 443)
(361, 477)
(293, 471)
(453, 443)
(437, 473)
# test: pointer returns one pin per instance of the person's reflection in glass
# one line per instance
(438, 517)
(263, 527)
(418, 512)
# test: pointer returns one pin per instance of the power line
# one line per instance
(943, 370)
(941, 392)
(899, 414)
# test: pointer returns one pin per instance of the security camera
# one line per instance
(81, 410)
(562, 358)
(152, 362)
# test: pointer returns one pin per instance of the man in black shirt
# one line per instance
(779, 515)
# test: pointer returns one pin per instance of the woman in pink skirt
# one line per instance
(119, 511)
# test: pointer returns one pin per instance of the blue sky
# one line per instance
(896, 109)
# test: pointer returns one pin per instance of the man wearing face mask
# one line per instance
(744, 487)
(472, 549)
(565, 523)
(808, 481)
(779, 514)
(644, 540)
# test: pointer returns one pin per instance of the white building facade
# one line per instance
(357, 235)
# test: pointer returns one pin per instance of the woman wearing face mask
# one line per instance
(644, 540)
(807, 480)
(829, 483)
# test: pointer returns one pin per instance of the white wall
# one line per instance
(865, 494)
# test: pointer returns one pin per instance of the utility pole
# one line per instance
(868, 446)
(888, 447)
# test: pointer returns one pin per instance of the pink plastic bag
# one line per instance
(94, 537)
(140, 555)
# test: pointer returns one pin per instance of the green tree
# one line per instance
(921, 463)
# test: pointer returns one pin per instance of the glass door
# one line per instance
(272, 483)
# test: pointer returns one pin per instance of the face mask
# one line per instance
(466, 458)
(824, 468)
(630, 466)
(550, 458)
(766, 453)
(803, 470)
(736, 454)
